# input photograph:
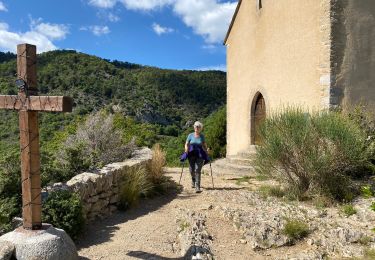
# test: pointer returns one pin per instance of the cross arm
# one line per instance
(37, 103)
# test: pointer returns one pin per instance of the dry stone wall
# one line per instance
(99, 191)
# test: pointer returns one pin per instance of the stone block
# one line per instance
(6, 250)
(47, 244)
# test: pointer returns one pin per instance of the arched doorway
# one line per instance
(258, 114)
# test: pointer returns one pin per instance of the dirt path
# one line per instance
(231, 210)
(150, 230)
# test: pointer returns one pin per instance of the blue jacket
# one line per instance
(197, 150)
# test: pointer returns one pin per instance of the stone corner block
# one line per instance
(47, 244)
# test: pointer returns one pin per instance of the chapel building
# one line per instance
(316, 54)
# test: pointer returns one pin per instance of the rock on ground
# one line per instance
(6, 250)
(47, 244)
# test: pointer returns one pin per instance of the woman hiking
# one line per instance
(196, 148)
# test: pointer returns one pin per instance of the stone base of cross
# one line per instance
(28, 103)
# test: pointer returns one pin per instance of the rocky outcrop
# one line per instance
(331, 233)
(99, 191)
(193, 237)
(6, 250)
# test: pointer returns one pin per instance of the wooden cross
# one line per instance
(29, 103)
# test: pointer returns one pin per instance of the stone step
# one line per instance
(240, 161)
(225, 167)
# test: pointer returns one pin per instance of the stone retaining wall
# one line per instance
(99, 191)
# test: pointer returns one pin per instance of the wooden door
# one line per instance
(259, 116)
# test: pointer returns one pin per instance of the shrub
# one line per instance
(373, 206)
(9, 208)
(95, 144)
(367, 122)
(156, 164)
(243, 179)
(273, 191)
(295, 230)
(10, 175)
(135, 184)
(312, 153)
(367, 192)
(348, 210)
(215, 131)
(63, 209)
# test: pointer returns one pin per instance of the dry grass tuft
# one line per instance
(155, 166)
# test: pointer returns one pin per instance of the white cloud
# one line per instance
(208, 18)
(40, 34)
(52, 31)
(159, 30)
(145, 5)
(103, 3)
(221, 67)
(2, 7)
(97, 30)
(113, 18)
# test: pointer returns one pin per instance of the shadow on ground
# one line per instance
(149, 256)
(100, 231)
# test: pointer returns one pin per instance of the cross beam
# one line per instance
(29, 103)
(36, 103)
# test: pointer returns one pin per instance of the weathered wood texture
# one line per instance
(37, 103)
(29, 103)
(29, 141)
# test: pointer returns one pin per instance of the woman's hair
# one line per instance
(198, 124)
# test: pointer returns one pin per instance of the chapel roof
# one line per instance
(232, 22)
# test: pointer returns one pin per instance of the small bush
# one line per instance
(95, 144)
(295, 230)
(155, 166)
(366, 121)
(243, 179)
(365, 240)
(135, 184)
(321, 202)
(63, 209)
(273, 191)
(313, 153)
(215, 131)
(9, 208)
(348, 210)
(367, 192)
(373, 206)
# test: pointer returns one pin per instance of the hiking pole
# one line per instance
(183, 165)
(212, 177)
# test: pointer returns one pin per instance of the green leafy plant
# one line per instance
(63, 209)
(373, 206)
(313, 152)
(295, 230)
(9, 208)
(348, 210)
(367, 192)
(215, 131)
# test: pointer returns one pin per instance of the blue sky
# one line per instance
(176, 34)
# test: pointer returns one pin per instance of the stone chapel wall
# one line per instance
(281, 51)
(353, 53)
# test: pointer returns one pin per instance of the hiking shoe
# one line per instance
(198, 190)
